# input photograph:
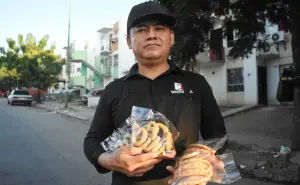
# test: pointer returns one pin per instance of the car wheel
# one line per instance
(29, 103)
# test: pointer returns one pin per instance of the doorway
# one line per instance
(262, 85)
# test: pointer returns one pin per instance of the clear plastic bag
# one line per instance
(200, 165)
(145, 128)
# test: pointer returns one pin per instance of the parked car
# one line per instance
(92, 93)
(19, 96)
(3, 93)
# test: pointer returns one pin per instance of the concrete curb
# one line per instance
(238, 110)
(225, 114)
(61, 112)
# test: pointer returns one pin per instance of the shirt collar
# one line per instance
(134, 69)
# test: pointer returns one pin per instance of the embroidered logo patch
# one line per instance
(178, 88)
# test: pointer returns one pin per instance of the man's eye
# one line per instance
(140, 30)
(159, 28)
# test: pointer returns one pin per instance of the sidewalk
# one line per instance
(80, 111)
(265, 128)
(76, 110)
(233, 110)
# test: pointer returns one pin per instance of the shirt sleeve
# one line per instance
(212, 123)
(101, 128)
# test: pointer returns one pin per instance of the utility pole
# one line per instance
(68, 59)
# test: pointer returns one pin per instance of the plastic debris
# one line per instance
(276, 155)
(261, 163)
(243, 166)
(284, 150)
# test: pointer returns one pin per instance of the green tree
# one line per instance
(248, 18)
(8, 73)
(36, 63)
(8, 76)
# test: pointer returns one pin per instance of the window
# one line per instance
(230, 36)
(21, 93)
(110, 41)
(78, 70)
(235, 80)
(110, 61)
(106, 62)
(216, 44)
(116, 60)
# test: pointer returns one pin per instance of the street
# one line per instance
(42, 148)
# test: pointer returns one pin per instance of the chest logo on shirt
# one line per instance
(178, 88)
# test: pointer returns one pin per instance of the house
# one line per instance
(251, 80)
(108, 59)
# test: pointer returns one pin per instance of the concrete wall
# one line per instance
(78, 80)
(250, 80)
(273, 68)
(216, 77)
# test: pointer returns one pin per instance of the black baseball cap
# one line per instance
(150, 11)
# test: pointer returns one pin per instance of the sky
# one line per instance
(41, 17)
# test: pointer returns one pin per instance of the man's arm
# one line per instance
(127, 160)
(101, 128)
(212, 124)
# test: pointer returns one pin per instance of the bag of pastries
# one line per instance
(145, 128)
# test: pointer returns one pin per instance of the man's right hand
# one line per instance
(129, 160)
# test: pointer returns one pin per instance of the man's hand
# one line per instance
(129, 160)
(168, 155)
(171, 169)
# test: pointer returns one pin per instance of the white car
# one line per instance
(19, 96)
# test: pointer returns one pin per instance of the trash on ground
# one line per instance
(243, 166)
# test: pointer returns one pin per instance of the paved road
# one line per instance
(266, 127)
(42, 148)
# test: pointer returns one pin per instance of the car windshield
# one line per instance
(21, 93)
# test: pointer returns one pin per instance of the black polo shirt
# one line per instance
(104, 122)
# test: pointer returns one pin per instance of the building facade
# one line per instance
(250, 80)
(108, 59)
(114, 58)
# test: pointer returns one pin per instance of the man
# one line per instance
(185, 98)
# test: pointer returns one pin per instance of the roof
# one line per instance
(105, 30)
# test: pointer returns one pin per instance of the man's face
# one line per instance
(150, 40)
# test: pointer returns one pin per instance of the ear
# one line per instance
(172, 38)
(128, 39)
